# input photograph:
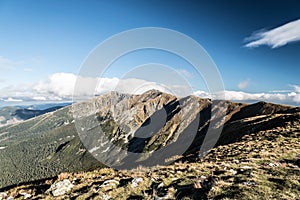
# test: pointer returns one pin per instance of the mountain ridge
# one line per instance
(57, 147)
(14, 114)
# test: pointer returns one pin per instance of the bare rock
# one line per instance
(61, 188)
(109, 184)
(3, 195)
(136, 181)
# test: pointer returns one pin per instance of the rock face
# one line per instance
(134, 127)
(115, 127)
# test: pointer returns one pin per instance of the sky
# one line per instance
(254, 44)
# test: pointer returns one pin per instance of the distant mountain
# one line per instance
(14, 114)
(45, 106)
(49, 144)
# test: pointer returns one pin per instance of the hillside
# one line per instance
(254, 135)
(14, 114)
(262, 165)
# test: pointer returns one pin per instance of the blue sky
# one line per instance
(42, 38)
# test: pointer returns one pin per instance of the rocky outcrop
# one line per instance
(61, 188)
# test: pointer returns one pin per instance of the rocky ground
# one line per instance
(261, 165)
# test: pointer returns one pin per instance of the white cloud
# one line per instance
(244, 84)
(60, 87)
(202, 94)
(59, 84)
(39, 98)
(290, 97)
(280, 91)
(287, 98)
(12, 100)
(296, 88)
(296, 97)
(243, 96)
(276, 37)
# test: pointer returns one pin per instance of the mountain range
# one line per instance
(68, 140)
(14, 114)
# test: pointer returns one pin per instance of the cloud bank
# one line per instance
(60, 87)
(292, 98)
(277, 37)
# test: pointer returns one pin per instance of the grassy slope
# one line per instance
(262, 165)
(41, 147)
